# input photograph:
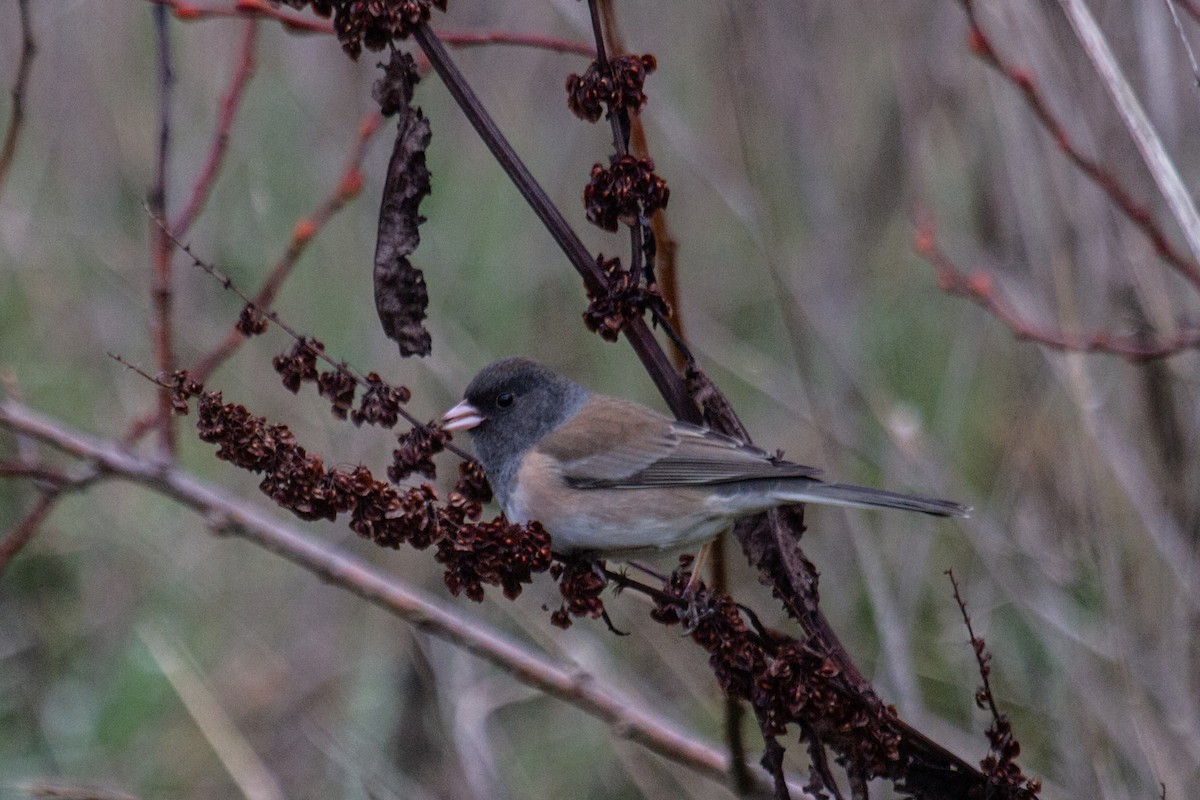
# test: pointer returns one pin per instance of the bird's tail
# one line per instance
(845, 494)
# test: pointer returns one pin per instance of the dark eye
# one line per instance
(505, 399)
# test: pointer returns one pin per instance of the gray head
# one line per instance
(508, 407)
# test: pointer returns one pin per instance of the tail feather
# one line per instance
(845, 494)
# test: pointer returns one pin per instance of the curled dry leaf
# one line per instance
(400, 294)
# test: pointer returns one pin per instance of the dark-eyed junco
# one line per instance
(615, 478)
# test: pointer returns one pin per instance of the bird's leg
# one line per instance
(689, 591)
(692, 591)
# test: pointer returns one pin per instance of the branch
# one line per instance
(979, 288)
(1137, 213)
(303, 233)
(1187, 45)
(1190, 7)
(160, 247)
(17, 122)
(655, 360)
(26, 529)
(230, 102)
(312, 346)
(230, 516)
(295, 23)
(1162, 169)
(55, 486)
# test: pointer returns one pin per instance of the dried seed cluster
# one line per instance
(415, 453)
(496, 553)
(475, 554)
(338, 387)
(251, 321)
(1004, 775)
(622, 300)
(371, 23)
(299, 365)
(618, 86)
(624, 192)
(785, 681)
(473, 483)
(380, 403)
(580, 582)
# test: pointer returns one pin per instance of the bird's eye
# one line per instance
(505, 399)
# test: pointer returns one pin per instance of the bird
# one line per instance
(608, 477)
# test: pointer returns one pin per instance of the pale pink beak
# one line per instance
(462, 417)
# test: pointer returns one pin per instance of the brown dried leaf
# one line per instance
(400, 294)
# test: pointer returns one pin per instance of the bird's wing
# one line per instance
(619, 444)
(609, 439)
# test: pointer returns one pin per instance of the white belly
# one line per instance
(618, 522)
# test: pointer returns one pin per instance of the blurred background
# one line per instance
(800, 141)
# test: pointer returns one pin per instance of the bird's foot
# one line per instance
(698, 604)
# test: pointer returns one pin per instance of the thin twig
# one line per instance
(295, 23)
(550, 43)
(655, 360)
(1136, 212)
(772, 762)
(1191, 8)
(17, 121)
(980, 288)
(643, 258)
(228, 284)
(160, 247)
(231, 516)
(231, 101)
(56, 485)
(1162, 169)
(618, 120)
(1187, 45)
(981, 656)
(34, 472)
(303, 233)
(820, 762)
(25, 530)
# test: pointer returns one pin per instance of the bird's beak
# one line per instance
(462, 417)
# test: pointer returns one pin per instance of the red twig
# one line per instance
(54, 485)
(294, 23)
(1136, 212)
(551, 43)
(17, 121)
(230, 102)
(1190, 7)
(274, 317)
(298, 24)
(26, 528)
(35, 473)
(979, 287)
(303, 232)
(160, 256)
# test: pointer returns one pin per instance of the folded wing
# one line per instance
(618, 444)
